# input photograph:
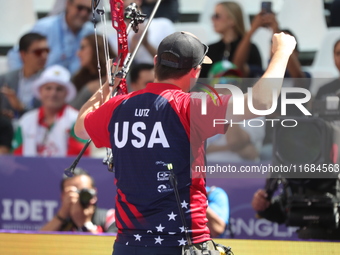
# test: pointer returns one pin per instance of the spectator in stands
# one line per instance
(294, 69)
(64, 33)
(58, 7)
(167, 9)
(16, 86)
(235, 45)
(217, 211)
(332, 88)
(158, 30)
(78, 210)
(6, 134)
(86, 79)
(48, 130)
(140, 75)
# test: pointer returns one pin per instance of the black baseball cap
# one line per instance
(186, 47)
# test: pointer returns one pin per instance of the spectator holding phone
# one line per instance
(294, 69)
(235, 45)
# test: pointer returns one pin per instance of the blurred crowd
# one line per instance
(55, 68)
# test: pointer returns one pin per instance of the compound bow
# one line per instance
(120, 68)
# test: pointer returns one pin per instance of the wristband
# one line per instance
(60, 218)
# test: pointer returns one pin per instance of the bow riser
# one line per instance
(118, 23)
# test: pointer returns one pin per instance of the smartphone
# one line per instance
(266, 7)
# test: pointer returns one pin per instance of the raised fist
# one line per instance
(284, 43)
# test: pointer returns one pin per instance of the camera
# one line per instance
(85, 195)
(310, 198)
(311, 205)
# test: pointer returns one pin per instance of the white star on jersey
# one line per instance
(159, 240)
(182, 242)
(160, 228)
(182, 229)
(172, 216)
(138, 237)
(184, 204)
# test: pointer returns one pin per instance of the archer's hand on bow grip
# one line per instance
(115, 81)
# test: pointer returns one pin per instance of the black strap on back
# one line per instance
(204, 250)
(173, 181)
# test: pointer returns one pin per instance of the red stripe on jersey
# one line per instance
(124, 218)
(119, 225)
(132, 208)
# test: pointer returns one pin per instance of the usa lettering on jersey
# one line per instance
(139, 139)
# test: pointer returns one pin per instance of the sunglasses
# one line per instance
(216, 16)
(39, 52)
(206, 48)
(81, 8)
